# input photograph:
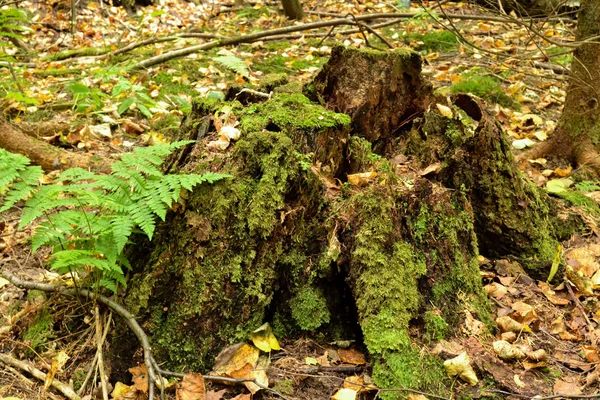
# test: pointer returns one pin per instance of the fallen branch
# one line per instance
(65, 389)
(118, 309)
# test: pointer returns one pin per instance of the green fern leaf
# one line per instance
(235, 64)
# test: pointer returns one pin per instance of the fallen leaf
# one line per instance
(460, 365)
(361, 179)
(524, 313)
(445, 111)
(551, 295)
(236, 358)
(264, 339)
(140, 378)
(507, 351)
(507, 324)
(344, 394)
(210, 395)
(192, 387)
(566, 388)
(352, 356)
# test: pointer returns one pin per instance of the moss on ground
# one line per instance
(435, 41)
(39, 332)
(486, 87)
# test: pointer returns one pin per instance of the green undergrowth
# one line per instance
(39, 332)
(440, 41)
(83, 52)
(484, 86)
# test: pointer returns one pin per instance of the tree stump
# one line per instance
(390, 260)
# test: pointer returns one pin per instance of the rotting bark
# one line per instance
(43, 154)
(392, 263)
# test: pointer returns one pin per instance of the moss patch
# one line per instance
(39, 331)
(486, 87)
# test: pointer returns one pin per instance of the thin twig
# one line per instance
(114, 306)
(65, 389)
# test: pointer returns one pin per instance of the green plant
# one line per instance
(10, 20)
(86, 99)
(235, 64)
(136, 96)
(88, 218)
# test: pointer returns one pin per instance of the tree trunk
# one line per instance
(389, 260)
(293, 9)
(580, 121)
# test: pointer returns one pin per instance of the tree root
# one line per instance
(149, 361)
(65, 389)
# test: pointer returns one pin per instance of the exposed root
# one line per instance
(65, 389)
(151, 365)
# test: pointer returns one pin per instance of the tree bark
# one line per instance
(293, 9)
(580, 120)
(43, 154)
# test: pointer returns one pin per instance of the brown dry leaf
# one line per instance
(557, 326)
(583, 259)
(242, 396)
(507, 324)
(236, 358)
(551, 295)
(352, 356)
(572, 360)
(324, 360)
(140, 378)
(473, 326)
(569, 336)
(431, 169)
(192, 387)
(563, 172)
(210, 395)
(524, 313)
(496, 290)
(361, 179)
(566, 388)
(354, 382)
(591, 353)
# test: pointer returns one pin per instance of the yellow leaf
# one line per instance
(361, 179)
(120, 390)
(461, 366)
(344, 394)
(235, 358)
(264, 339)
(192, 388)
(555, 263)
(445, 111)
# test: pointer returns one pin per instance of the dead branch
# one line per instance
(43, 154)
(65, 389)
(118, 309)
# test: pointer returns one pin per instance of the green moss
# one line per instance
(436, 327)
(285, 386)
(484, 86)
(40, 330)
(409, 368)
(84, 52)
(36, 296)
(291, 111)
(443, 40)
(309, 308)
(78, 378)
(270, 81)
(57, 72)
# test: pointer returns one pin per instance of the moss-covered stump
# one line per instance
(512, 216)
(380, 91)
(389, 261)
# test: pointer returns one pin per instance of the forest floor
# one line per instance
(104, 108)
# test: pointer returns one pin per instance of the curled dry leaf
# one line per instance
(218, 144)
(508, 336)
(524, 313)
(345, 394)
(461, 366)
(537, 355)
(507, 324)
(496, 290)
(507, 351)
(445, 111)
(552, 296)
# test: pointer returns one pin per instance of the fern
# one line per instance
(233, 63)
(87, 218)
